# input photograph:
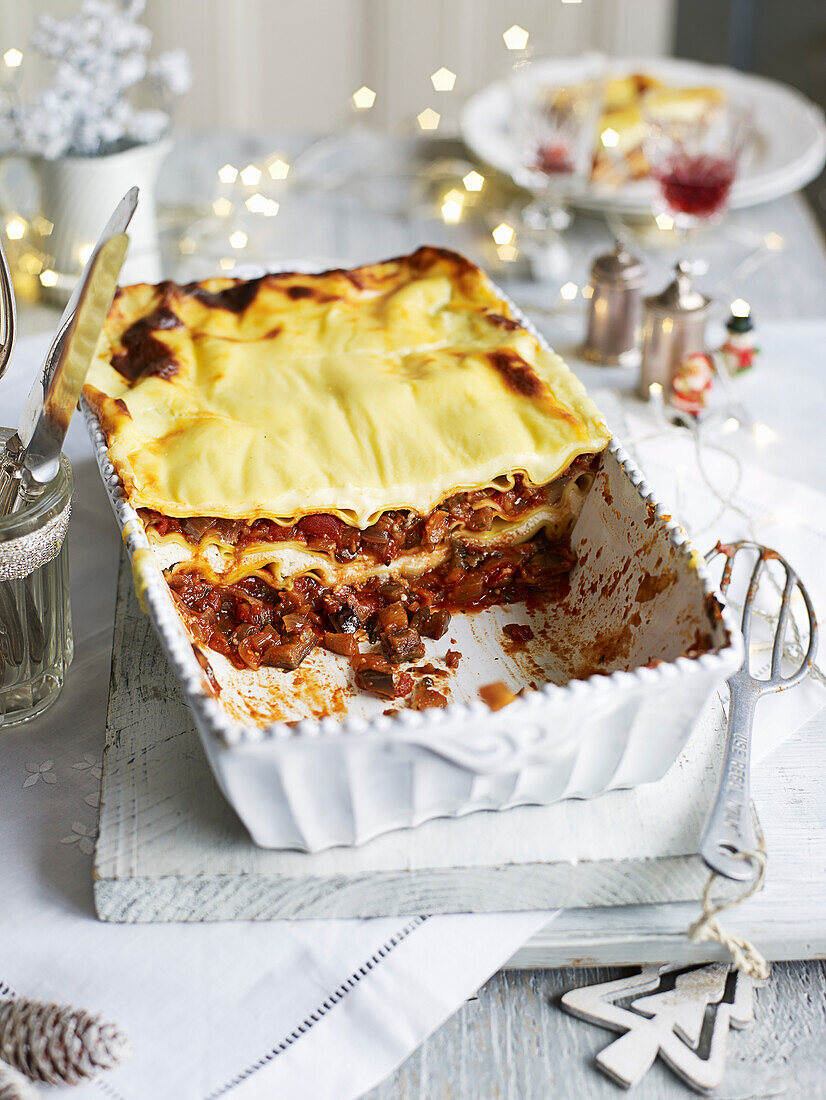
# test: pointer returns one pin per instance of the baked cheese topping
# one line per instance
(389, 386)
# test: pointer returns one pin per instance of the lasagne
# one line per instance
(343, 459)
(625, 101)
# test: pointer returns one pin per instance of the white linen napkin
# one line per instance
(322, 1009)
(260, 1009)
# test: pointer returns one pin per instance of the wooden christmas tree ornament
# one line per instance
(58, 1044)
(686, 1022)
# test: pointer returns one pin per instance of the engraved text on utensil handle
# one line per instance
(729, 827)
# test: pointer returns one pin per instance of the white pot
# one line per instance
(77, 194)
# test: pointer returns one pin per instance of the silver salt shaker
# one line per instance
(615, 316)
(675, 327)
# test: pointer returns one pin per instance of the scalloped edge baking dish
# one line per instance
(317, 784)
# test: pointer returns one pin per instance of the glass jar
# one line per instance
(35, 617)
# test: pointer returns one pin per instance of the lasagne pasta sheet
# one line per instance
(350, 392)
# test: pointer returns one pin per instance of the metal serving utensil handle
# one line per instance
(728, 836)
(8, 313)
(30, 458)
(730, 827)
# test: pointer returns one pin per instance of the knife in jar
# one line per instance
(32, 455)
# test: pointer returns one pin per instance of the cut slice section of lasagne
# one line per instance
(343, 459)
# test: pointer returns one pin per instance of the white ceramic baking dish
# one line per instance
(608, 695)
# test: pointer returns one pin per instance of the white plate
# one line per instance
(791, 131)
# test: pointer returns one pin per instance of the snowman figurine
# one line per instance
(739, 350)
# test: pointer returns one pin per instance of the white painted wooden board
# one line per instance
(785, 921)
(171, 848)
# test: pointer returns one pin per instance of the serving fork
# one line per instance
(729, 835)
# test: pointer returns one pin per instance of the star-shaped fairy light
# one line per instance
(250, 176)
(278, 169)
(15, 229)
(364, 98)
(452, 205)
(428, 119)
(516, 37)
(260, 204)
(503, 233)
(443, 80)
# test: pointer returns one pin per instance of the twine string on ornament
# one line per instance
(707, 928)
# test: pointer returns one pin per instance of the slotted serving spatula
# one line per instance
(729, 831)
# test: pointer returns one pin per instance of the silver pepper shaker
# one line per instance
(675, 327)
(615, 317)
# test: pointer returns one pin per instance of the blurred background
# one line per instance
(282, 63)
(294, 63)
(269, 77)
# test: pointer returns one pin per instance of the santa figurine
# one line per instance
(691, 382)
(739, 349)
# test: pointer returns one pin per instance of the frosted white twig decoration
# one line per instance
(100, 55)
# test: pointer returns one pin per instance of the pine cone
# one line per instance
(13, 1085)
(58, 1044)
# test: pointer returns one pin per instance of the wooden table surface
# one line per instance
(512, 1040)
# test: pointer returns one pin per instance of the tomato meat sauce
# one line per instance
(253, 623)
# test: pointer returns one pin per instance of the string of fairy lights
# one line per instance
(241, 196)
(240, 192)
(255, 190)
(662, 426)
(239, 188)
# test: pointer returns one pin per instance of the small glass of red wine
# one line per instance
(694, 161)
(552, 132)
